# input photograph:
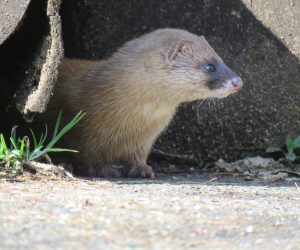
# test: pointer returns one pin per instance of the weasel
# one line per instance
(130, 98)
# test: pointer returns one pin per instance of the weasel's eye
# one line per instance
(210, 67)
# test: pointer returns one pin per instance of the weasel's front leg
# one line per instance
(140, 170)
(136, 165)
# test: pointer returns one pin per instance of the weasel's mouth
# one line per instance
(232, 85)
(221, 89)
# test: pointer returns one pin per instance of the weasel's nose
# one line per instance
(237, 83)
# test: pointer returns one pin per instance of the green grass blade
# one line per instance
(34, 138)
(57, 136)
(291, 156)
(36, 155)
(289, 144)
(57, 125)
(13, 143)
(40, 140)
(61, 150)
(13, 136)
(21, 148)
(37, 149)
(2, 146)
(297, 142)
(273, 149)
(27, 146)
(65, 129)
(3, 143)
(43, 137)
(39, 154)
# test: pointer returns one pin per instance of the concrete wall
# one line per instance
(30, 52)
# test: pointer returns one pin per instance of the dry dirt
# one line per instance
(178, 212)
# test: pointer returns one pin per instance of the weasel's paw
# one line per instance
(106, 171)
(144, 171)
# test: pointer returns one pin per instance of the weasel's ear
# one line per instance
(180, 47)
(203, 37)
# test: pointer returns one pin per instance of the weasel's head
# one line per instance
(196, 70)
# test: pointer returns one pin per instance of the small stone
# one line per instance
(249, 229)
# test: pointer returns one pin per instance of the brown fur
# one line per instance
(130, 98)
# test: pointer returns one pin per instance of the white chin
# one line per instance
(223, 93)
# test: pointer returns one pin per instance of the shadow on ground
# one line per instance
(213, 179)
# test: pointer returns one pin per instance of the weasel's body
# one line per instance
(131, 97)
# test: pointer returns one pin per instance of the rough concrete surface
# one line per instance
(180, 212)
(11, 14)
(258, 39)
(282, 18)
(29, 58)
(34, 97)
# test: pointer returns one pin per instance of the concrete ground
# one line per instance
(179, 212)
